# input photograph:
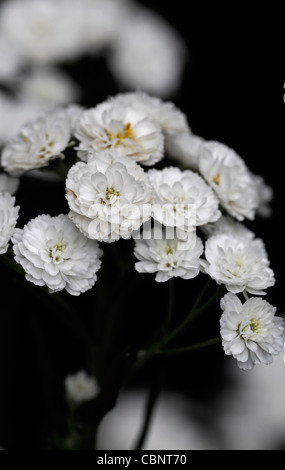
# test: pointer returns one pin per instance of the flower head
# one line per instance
(80, 387)
(128, 130)
(231, 180)
(37, 143)
(54, 253)
(239, 262)
(109, 197)
(182, 199)
(8, 219)
(168, 257)
(171, 119)
(251, 332)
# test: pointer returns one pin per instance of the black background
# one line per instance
(232, 91)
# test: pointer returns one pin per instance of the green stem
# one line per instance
(170, 302)
(10, 263)
(65, 311)
(195, 310)
(192, 347)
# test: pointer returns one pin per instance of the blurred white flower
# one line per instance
(108, 198)
(10, 61)
(80, 387)
(265, 196)
(54, 253)
(227, 225)
(148, 54)
(229, 177)
(8, 183)
(131, 132)
(185, 148)
(239, 262)
(255, 404)
(37, 143)
(102, 21)
(14, 114)
(168, 257)
(251, 332)
(8, 219)
(42, 31)
(182, 199)
(47, 87)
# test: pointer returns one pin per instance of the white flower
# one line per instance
(8, 183)
(170, 118)
(42, 31)
(37, 143)
(239, 262)
(130, 131)
(265, 196)
(227, 225)
(182, 199)
(185, 148)
(108, 199)
(148, 54)
(48, 87)
(228, 175)
(80, 387)
(8, 219)
(168, 257)
(54, 253)
(251, 332)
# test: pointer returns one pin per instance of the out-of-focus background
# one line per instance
(222, 68)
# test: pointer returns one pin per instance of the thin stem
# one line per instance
(170, 302)
(150, 406)
(195, 310)
(10, 263)
(192, 347)
(65, 311)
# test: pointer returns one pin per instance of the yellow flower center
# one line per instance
(126, 133)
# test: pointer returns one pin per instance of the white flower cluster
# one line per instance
(113, 193)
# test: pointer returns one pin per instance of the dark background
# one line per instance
(232, 91)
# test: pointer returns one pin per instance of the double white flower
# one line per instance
(231, 180)
(109, 197)
(182, 199)
(168, 257)
(54, 253)
(130, 131)
(38, 142)
(239, 262)
(251, 332)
